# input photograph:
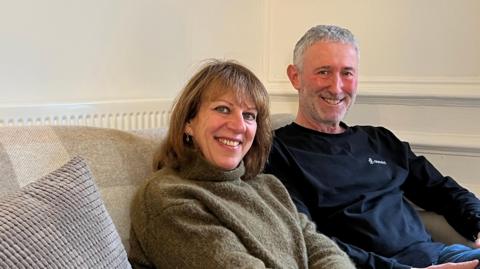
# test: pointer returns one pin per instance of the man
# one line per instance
(353, 181)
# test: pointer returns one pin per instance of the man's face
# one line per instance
(327, 84)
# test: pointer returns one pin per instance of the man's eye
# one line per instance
(249, 116)
(222, 109)
(323, 72)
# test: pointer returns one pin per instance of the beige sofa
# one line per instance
(117, 162)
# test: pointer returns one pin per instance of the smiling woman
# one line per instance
(224, 130)
(209, 206)
(223, 88)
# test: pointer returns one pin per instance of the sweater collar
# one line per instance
(202, 170)
(348, 130)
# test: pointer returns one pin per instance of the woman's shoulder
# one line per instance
(167, 180)
(268, 179)
(270, 183)
(161, 190)
(271, 188)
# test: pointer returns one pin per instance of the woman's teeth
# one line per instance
(227, 142)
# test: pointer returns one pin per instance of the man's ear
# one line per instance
(294, 76)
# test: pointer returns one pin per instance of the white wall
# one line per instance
(419, 73)
(56, 51)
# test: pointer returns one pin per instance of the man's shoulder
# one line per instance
(284, 132)
(371, 130)
(295, 130)
(380, 135)
(286, 137)
(295, 135)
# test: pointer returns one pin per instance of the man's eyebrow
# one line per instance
(323, 67)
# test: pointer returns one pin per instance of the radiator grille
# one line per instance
(126, 115)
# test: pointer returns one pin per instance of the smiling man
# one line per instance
(353, 181)
(327, 85)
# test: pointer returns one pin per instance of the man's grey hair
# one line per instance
(325, 33)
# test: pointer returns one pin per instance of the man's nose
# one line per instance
(337, 83)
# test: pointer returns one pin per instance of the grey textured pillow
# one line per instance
(59, 221)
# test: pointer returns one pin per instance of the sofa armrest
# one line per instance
(440, 230)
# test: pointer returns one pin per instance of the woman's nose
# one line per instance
(237, 123)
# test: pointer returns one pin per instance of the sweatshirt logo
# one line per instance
(372, 161)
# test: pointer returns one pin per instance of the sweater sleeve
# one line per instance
(429, 189)
(187, 236)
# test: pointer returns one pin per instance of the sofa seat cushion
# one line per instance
(59, 221)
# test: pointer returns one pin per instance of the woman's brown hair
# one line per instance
(213, 79)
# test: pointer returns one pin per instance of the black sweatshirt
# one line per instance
(354, 185)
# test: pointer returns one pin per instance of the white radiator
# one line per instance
(123, 115)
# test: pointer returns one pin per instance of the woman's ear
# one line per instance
(188, 129)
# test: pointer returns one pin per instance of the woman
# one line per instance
(209, 206)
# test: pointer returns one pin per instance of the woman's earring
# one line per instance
(188, 138)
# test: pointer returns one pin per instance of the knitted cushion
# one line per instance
(119, 160)
(59, 221)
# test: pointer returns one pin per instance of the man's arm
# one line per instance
(477, 242)
(460, 265)
(429, 189)
(370, 260)
(322, 251)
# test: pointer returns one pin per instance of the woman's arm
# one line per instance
(187, 236)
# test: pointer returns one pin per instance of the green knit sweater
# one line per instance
(204, 217)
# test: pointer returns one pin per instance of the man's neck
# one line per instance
(329, 128)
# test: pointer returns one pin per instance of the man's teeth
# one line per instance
(332, 101)
(227, 142)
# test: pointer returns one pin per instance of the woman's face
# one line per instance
(224, 129)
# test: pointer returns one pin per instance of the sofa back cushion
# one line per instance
(119, 160)
(59, 221)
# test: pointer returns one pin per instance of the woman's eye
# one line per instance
(222, 109)
(249, 116)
